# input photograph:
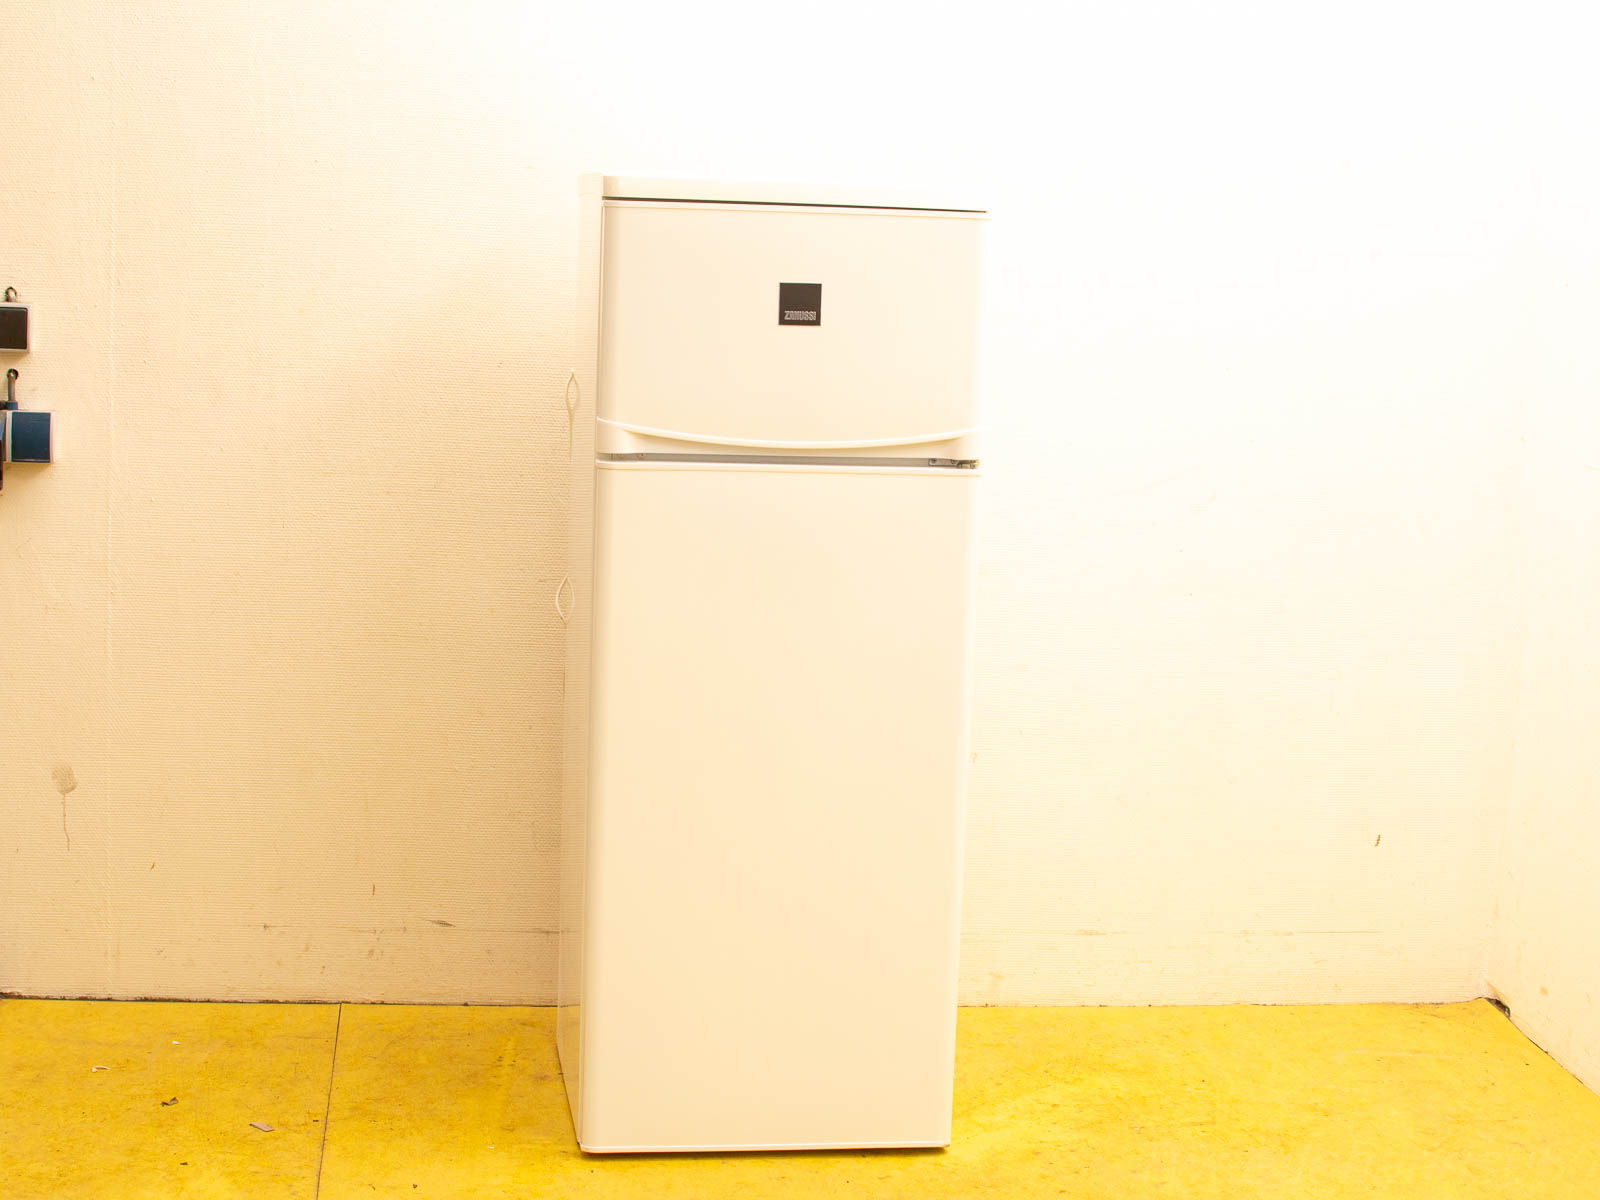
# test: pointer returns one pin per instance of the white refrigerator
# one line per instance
(768, 611)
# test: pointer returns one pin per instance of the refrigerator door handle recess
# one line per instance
(795, 460)
(678, 435)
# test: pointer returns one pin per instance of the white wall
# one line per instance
(1546, 959)
(1254, 392)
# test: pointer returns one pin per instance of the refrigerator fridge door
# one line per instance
(772, 328)
(779, 767)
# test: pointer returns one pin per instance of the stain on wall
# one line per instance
(66, 783)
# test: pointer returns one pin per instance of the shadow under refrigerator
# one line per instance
(769, 622)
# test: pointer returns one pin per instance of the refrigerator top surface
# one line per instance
(723, 191)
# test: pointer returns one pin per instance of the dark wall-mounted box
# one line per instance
(13, 327)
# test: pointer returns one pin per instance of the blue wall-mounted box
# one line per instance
(27, 436)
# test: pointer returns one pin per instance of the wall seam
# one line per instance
(118, 25)
(1516, 647)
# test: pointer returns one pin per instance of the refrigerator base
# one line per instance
(752, 1148)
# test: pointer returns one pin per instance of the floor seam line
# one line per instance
(327, 1108)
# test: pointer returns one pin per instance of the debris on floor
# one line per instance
(169, 1103)
(261, 1125)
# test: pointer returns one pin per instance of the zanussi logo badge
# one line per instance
(799, 304)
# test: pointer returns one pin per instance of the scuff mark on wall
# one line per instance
(66, 782)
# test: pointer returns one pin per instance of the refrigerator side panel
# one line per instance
(780, 758)
(574, 599)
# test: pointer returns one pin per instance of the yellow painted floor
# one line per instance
(1373, 1101)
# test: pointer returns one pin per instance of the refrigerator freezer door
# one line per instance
(779, 768)
(701, 341)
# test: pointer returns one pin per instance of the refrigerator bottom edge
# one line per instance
(751, 1147)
